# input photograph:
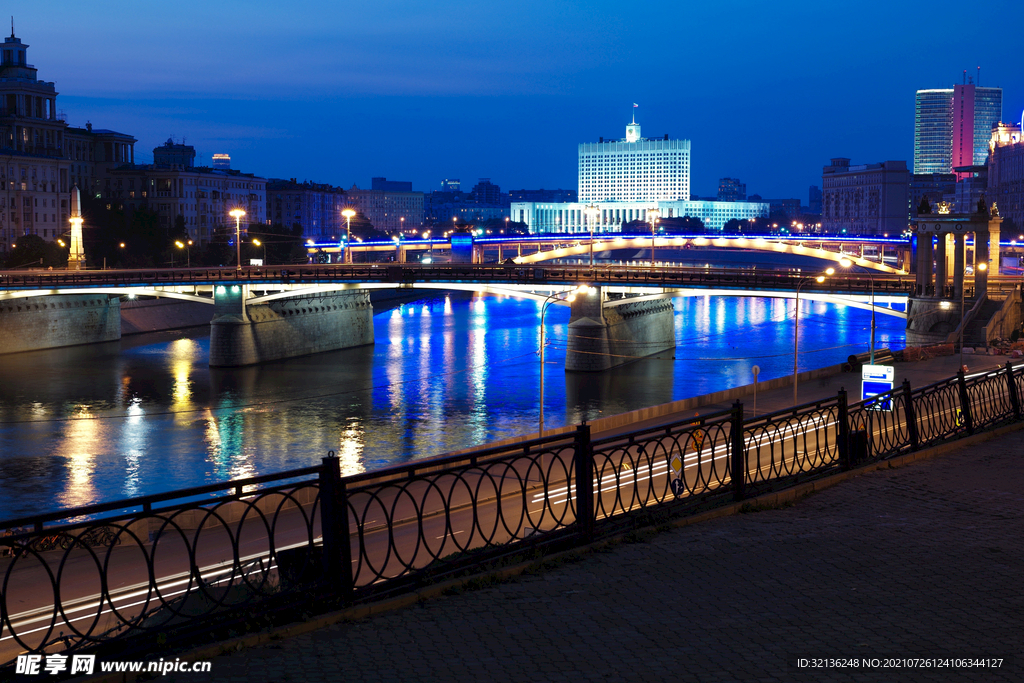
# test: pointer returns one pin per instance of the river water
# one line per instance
(146, 414)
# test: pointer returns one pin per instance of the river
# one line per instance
(146, 414)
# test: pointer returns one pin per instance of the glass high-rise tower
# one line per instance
(952, 126)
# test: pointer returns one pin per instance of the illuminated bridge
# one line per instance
(883, 254)
(264, 284)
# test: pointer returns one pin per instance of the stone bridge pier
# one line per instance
(245, 334)
(605, 333)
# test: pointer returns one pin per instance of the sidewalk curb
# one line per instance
(765, 501)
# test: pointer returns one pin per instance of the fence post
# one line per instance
(910, 412)
(843, 444)
(965, 402)
(337, 552)
(738, 461)
(585, 511)
(1014, 398)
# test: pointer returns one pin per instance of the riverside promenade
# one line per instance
(920, 560)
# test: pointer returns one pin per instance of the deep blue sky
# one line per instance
(338, 92)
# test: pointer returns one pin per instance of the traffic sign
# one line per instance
(677, 487)
(875, 380)
(676, 463)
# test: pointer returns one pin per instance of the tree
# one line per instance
(283, 245)
(682, 225)
(34, 251)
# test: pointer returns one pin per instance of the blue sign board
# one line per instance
(875, 380)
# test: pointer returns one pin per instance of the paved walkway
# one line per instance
(920, 561)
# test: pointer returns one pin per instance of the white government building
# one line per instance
(626, 178)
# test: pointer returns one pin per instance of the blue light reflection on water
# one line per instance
(146, 414)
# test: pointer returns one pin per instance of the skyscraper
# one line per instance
(952, 126)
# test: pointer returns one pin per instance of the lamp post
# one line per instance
(981, 266)
(652, 217)
(187, 248)
(430, 246)
(582, 289)
(261, 244)
(237, 215)
(348, 213)
(796, 325)
(591, 212)
(846, 263)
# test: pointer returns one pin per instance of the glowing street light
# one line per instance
(846, 263)
(187, 248)
(259, 244)
(571, 295)
(592, 213)
(796, 326)
(237, 215)
(348, 213)
(982, 267)
(652, 217)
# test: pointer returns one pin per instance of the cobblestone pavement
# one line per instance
(919, 561)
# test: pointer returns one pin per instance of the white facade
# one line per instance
(563, 217)
(626, 178)
(634, 169)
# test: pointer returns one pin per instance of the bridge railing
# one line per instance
(180, 562)
(388, 273)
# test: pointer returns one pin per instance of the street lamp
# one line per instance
(591, 212)
(348, 213)
(652, 217)
(430, 245)
(572, 293)
(796, 326)
(963, 288)
(237, 214)
(187, 248)
(846, 263)
(259, 244)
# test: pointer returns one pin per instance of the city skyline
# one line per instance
(418, 93)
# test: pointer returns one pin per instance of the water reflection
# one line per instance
(147, 414)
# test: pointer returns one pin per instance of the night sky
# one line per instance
(337, 92)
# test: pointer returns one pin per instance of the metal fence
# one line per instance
(75, 580)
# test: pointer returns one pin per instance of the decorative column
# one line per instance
(941, 274)
(981, 255)
(959, 264)
(76, 251)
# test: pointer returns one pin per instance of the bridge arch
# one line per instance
(602, 244)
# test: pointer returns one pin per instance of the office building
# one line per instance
(315, 208)
(814, 199)
(952, 126)
(634, 169)
(197, 199)
(870, 199)
(543, 195)
(486, 192)
(388, 211)
(1006, 175)
(222, 162)
(622, 180)
(731, 190)
(385, 185)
